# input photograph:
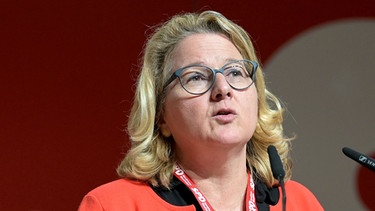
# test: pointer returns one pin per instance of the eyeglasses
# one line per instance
(197, 79)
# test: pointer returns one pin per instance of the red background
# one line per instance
(67, 69)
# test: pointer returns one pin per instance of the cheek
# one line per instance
(251, 105)
(182, 113)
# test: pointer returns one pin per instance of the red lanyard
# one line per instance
(206, 206)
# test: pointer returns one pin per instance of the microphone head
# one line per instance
(350, 153)
(276, 164)
(359, 158)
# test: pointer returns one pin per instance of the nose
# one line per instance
(221, 88)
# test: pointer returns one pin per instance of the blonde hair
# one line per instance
(151, 156)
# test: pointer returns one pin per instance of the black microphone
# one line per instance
(360, 158)
(276, 164)
(277, 170)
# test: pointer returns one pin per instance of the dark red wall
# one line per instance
(67, 70)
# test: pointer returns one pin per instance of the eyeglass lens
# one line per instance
(198, 79)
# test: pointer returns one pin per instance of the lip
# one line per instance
(225, 115)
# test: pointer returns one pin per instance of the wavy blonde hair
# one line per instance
(151, 157)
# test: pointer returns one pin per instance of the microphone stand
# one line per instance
(281, 181)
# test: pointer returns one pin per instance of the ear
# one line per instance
(164, 129)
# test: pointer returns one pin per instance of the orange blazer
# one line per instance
(129, 195)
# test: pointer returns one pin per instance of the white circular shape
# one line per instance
(326, 77)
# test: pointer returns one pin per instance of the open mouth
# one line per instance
(224, 112)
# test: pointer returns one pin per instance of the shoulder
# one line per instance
(120, 187)
(125, 194)
(294, 187)
(298, 196)
(121, 193)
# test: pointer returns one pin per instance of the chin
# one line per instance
(232, 140)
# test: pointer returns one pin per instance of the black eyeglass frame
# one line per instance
(177, 74)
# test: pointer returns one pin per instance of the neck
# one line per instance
(212, 162)
(221, 177)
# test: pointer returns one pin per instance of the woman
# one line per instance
(200, 126)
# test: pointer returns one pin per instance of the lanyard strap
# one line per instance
(206, 206)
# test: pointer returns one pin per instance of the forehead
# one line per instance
(205, 48)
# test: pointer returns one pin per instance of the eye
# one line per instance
(236, 71)
(195, 75)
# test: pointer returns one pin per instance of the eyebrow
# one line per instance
(232, 59)
(227, 60)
